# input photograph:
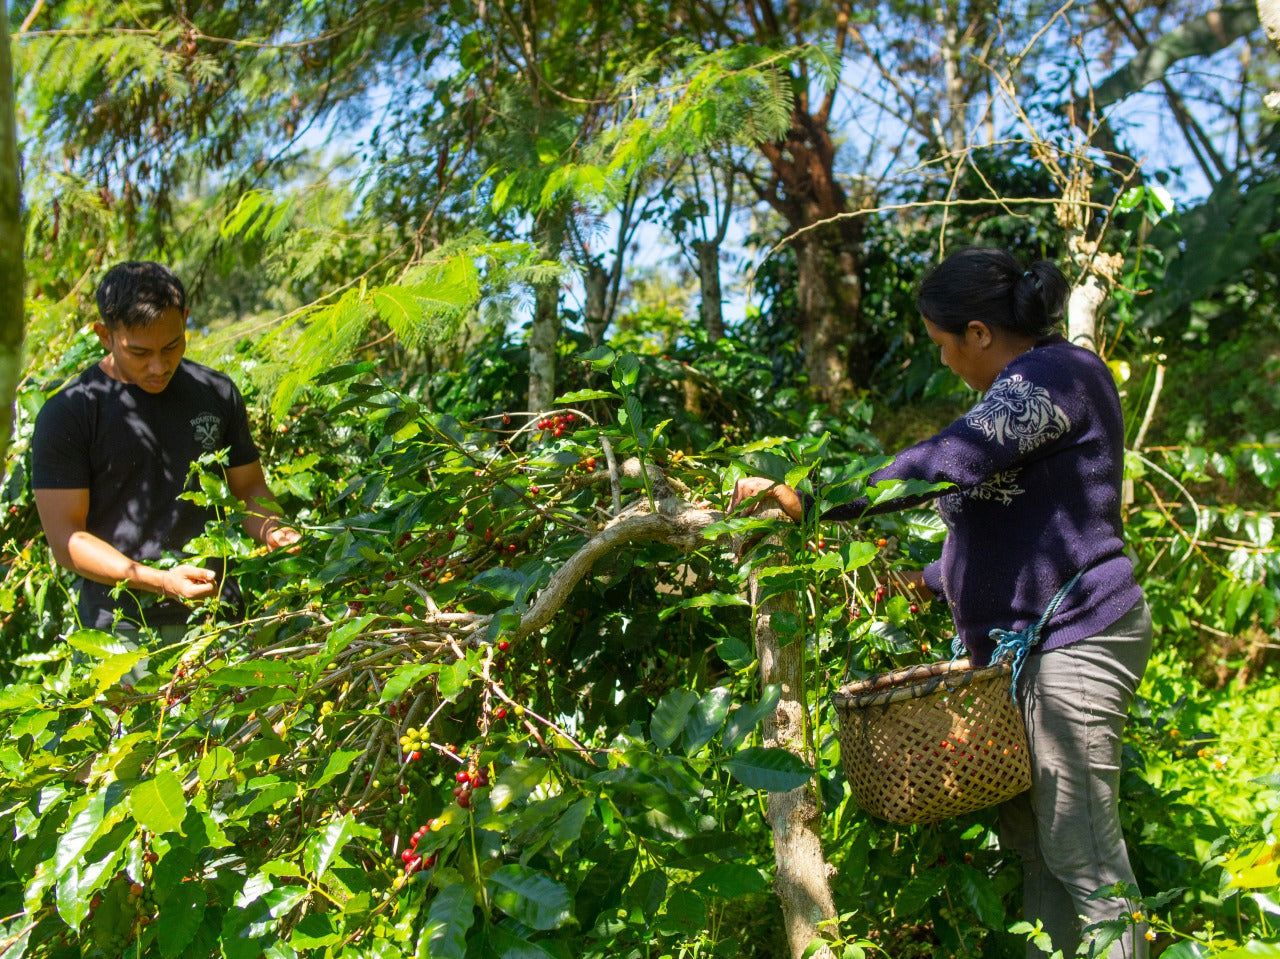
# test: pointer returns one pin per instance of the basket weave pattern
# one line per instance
(929, 742)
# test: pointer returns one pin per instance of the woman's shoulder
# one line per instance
(1057, 361)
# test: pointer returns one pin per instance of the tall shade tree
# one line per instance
(12, 283)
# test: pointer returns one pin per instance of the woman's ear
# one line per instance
(980, 332)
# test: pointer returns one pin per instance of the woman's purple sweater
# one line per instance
(1036, 468)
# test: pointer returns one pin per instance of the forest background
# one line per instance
(515, 292)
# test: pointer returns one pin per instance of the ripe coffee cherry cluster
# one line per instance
(467, 783)
(412, 861)
(557, 424)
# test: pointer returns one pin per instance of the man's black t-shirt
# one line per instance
(132, 450)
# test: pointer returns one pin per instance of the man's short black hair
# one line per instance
(135, 293)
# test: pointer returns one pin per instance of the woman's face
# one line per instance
(965, 354)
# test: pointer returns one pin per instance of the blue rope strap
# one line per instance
(1014, 645)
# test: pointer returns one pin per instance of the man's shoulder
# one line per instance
(198, 376)
(87, 386)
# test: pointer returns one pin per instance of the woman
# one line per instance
(1035, 471)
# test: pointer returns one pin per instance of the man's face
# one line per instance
(146, 356)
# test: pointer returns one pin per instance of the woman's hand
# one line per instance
(786, 497)
(911, 584)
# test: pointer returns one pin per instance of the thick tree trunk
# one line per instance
(544, 335)
(12, 281)
(712, 307)
(802, 882)
(838, 353)
(1082, 313)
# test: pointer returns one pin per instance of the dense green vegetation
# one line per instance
(504, 701)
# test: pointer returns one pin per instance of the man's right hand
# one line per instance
(187, 582)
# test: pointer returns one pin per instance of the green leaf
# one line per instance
(702, 601)
(270, 796)
(775, 770)
(919, 891)
(625, 371)
(158, 804)
(1252, 950)
(516, 782)
(404, 677)
(346, 371)
(502, 583)
(530, 896)
(582, 396)
(95, 643)
(180, 917)
(508, 940)
(453, 679)
(670, 716)
(108, 673)
(600, 358)
(337, 764)
(730, 880)
(315, 931)
(217, 764)
(857, 554)
(258, 672)
(1188, 949)
(746, 718)
(569, 828)
(706, 718)
(322, 848)
(980, 894)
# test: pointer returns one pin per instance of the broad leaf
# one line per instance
(670, 716)
(775, 770)
(322, 848)
(530, 896)
(706, 718)
(746, 718)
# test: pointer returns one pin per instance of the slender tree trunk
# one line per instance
(1269, 15)
(545, 332)
(596, 283)
(948, 15)
(712, 306)
(12, 280)
(802, 883)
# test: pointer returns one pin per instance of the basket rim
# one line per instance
(913, 682)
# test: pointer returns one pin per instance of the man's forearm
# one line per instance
(98, 560)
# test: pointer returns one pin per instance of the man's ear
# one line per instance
(104, 335)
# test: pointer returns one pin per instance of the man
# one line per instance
(112, 452)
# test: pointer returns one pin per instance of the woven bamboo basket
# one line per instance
(928, 742)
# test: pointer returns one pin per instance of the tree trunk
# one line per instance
(839, 350)
(802, 882)
(712, 306)
(1269, 16)
(544, 335)
(838, 353)
(1082, 313)
(596, 284)
(948, 15)
(12, 281)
